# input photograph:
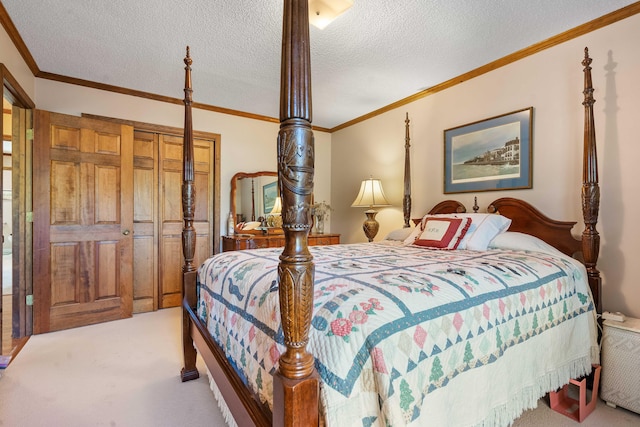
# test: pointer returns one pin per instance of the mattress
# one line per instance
(404, 335)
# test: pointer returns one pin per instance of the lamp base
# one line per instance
(370, 225)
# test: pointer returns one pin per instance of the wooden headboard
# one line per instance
(524, 219)
(444, 207)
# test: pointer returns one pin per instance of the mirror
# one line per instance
(253, 196)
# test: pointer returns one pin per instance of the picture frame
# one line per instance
(491, 154)
(269, 195)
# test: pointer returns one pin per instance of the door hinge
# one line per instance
(29, 217)
(30, 134)
(29, 299)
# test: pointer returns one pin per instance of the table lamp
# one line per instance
(370, 196)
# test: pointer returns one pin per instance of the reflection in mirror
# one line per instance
(253, 196)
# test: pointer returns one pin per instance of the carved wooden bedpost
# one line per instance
(189, 371)
(296, 382)
(590, 188)
(406, 200)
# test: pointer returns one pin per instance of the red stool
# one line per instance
(579, 409)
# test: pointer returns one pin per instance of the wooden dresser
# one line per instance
(239, 242)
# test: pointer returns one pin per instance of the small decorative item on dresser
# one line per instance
(231, 225)
(320, 212)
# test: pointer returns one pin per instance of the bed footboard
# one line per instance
(242, 403)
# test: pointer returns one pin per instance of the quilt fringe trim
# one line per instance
(224, 409)
(226, 412)
(528, 397)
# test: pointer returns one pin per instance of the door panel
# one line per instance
(83, 219)
(171, 222)
(145, 240)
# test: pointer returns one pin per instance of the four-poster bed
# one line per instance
(291, 386)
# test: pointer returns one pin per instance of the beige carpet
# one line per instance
(121, 373)
(126, 373)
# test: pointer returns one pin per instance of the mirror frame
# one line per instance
(234, 189)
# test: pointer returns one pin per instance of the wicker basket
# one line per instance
(621, 364)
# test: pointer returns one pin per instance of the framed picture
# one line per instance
(488, 155)
(269, 194)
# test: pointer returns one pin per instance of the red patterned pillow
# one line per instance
(442, 233)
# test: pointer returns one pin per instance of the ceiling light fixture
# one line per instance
(323, 12)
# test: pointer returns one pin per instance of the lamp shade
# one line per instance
(322, 12)
(370, 195)
(277, 206)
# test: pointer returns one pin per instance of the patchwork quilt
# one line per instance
(408, 335)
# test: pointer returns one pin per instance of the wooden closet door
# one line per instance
(170, 199)
(83, 221)
(145, 219)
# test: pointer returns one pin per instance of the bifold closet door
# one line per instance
(157, 241)
(170, 201)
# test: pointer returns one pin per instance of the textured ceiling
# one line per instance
(378, 52)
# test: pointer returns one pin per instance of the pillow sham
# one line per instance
(516, 241)
(442, 232)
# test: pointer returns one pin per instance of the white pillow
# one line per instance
(515, 241)
(483, 229)
(415, 233)
(399, 234)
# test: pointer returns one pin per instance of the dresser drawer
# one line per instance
(242, 242)
(276, 242)
(259, 243)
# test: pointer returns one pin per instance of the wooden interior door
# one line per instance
(83, 221)
(170, 200)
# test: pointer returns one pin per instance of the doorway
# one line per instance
(6, 268)
(15, 216)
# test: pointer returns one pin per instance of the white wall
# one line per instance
(10, 57)
(248, 145)
(552, 82)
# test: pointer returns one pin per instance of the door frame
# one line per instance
(22, 138)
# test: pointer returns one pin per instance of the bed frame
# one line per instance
(296, 384)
